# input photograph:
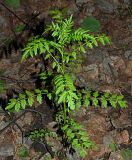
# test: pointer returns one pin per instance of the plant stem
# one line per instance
(64, 112)
(13, 13)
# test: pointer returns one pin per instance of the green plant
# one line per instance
(22, 152)
(113, 146)
(61, 50)
(77, 137)
(25, 99)
(13, 3)
(41, 134)
(91, 24)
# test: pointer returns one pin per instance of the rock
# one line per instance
(96, 56)
(107, 140)
(127, 1)
(26, 120)
(51, 126)
(116, 156)
(3, 37)
(118, 63)
(106, 7)
(3, 20)
(6, 149)
(91, 71)
(97, 154)
(88, 10)
(80, 113)
(3, 124)
(129, 23)
(130, 26)
(125, 136)
(54, 143)
(4, 28)
(72, 156)
(28, 142)
(112, 137)
(128, 54)
(128, 70)
(96, 127)
(81, 2)
(123, 121)
(109, 67)
(4, 64)
(72, 8)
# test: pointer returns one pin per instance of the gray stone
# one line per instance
(3, 37)
(123, 121)
(90, 9)
(2, 21)
(28, 142)
(75, 156)
(3, 124)
(90, 71)
(128, 54)
(96, 55)
(26, 120)
(116, 156)
(109, 68)
(81, 2)
(130, 26)
(90, 68)
(106, 6)
(107, 140)
(126, 1)
(72, 9)
(6, 149)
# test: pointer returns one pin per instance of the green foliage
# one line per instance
(105, 99)
(22, 152)
(57, 15)
(77, 137)
(65, 91)
(13, 3)
(65, 35)
(25, 99)
(126, 154)
(64, 47)
(41, 134)
(113, 146)
(91, 24)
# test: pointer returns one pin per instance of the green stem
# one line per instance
(64, 112)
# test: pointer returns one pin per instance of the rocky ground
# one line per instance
(103, 68)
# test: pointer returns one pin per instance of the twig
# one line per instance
(12, 122)
(15, 123)
(46, 147)
(13, 13)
